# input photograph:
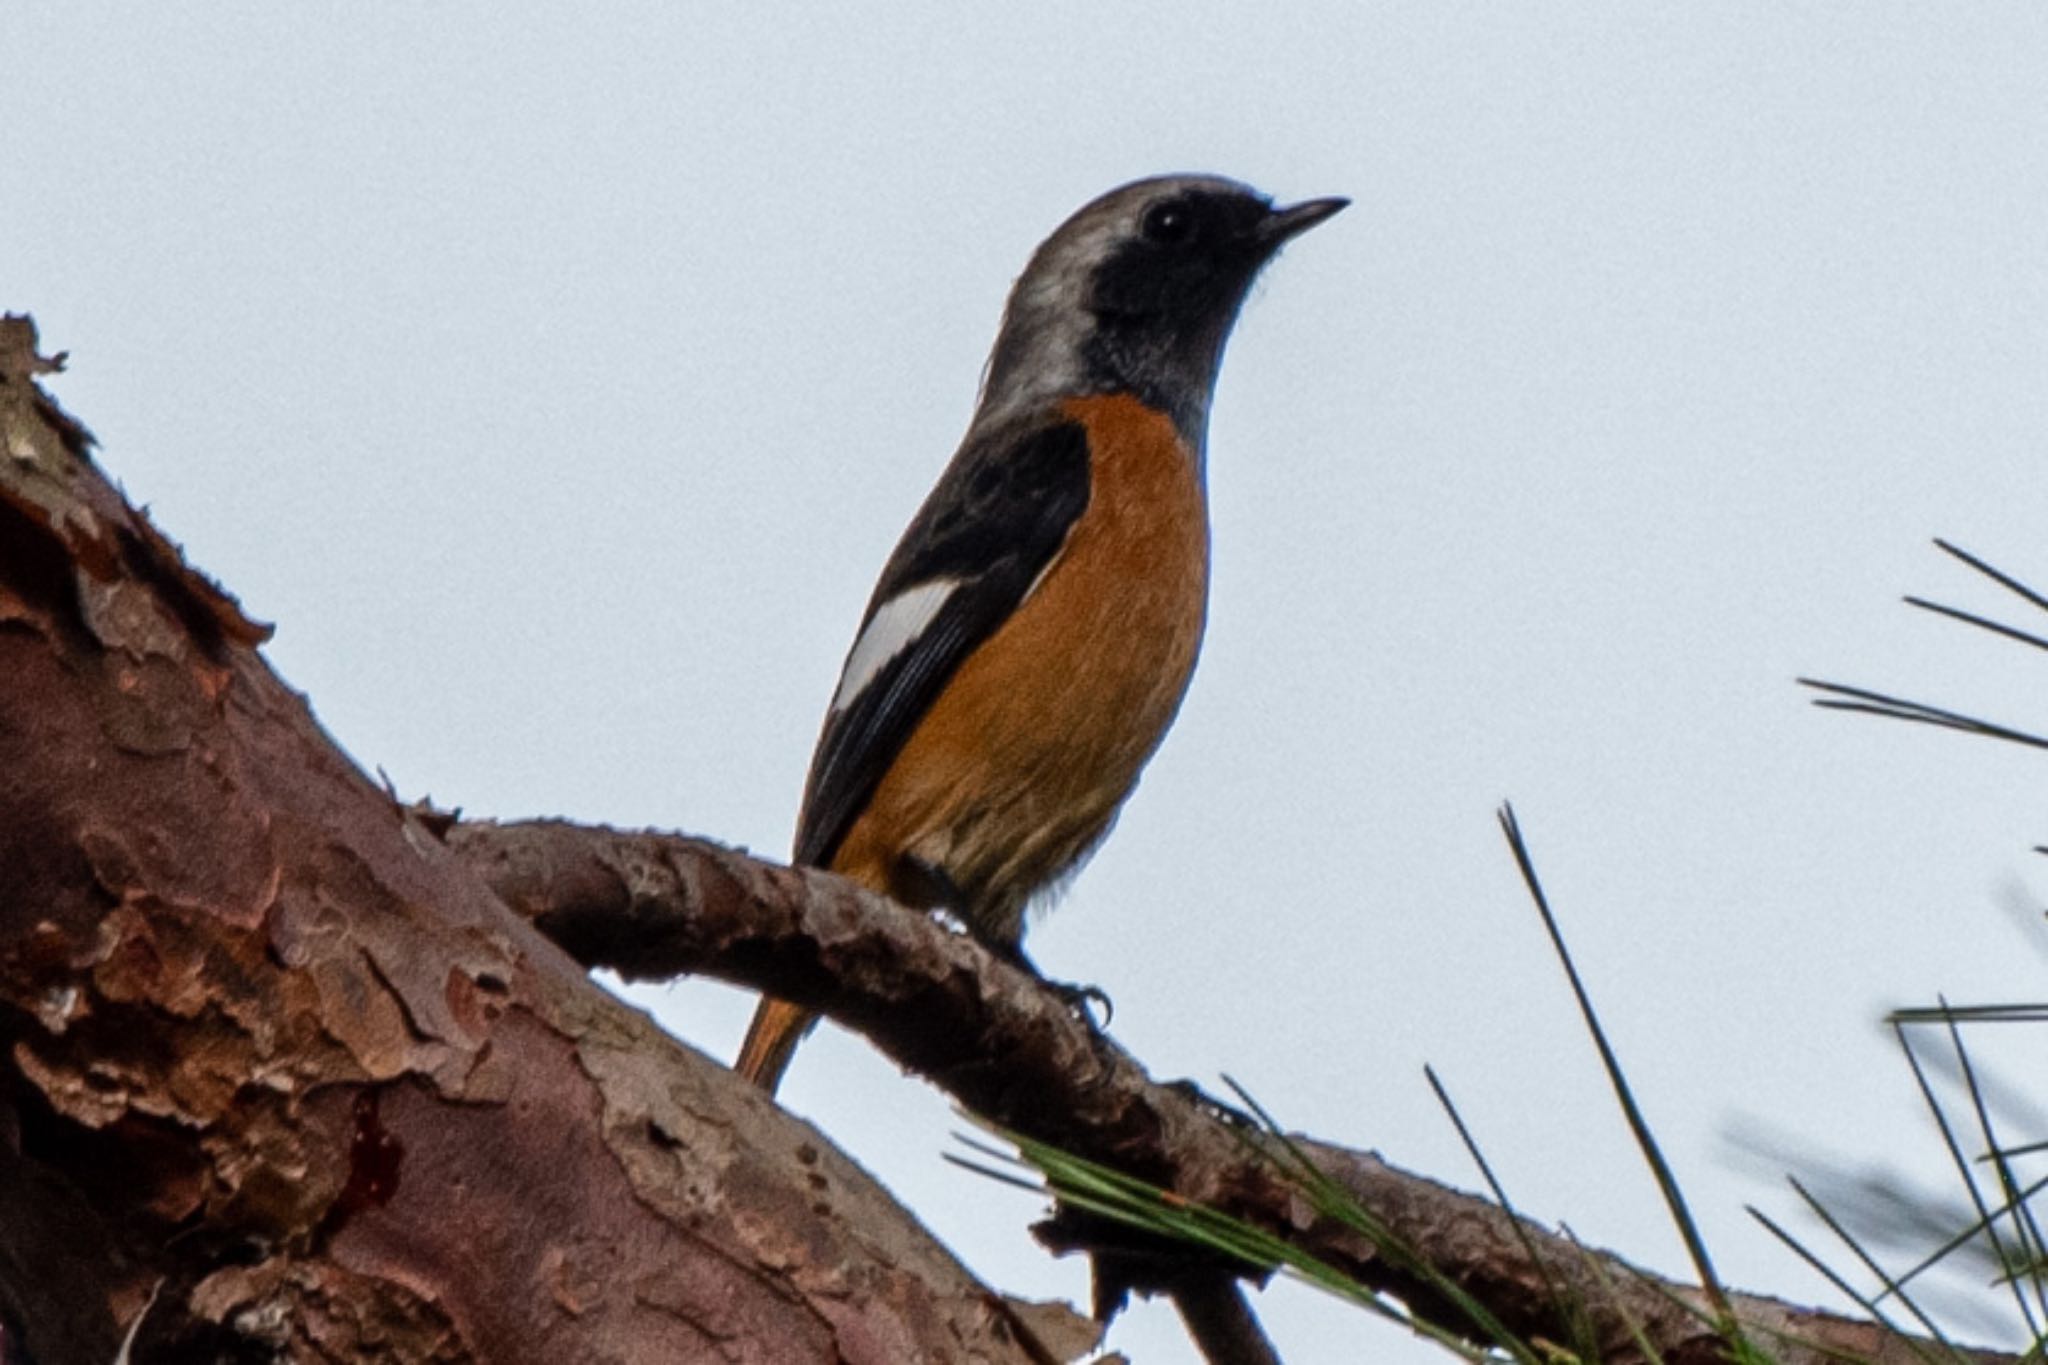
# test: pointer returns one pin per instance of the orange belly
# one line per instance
(1021, 763)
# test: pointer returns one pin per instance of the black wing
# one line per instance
(999, 514)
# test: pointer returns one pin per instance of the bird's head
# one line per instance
(1137, 293)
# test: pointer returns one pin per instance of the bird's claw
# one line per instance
(1083, 999)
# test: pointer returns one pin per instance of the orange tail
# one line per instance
(771, 1041)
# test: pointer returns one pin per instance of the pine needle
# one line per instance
(1646, 1142)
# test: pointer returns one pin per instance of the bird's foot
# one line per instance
(1082, 1000)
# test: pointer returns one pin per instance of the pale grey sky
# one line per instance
(558, 378)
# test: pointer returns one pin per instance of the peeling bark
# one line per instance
(283, 1078)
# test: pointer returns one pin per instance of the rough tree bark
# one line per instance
(293, 1069)
(282, 1075)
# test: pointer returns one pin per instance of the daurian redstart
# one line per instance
(1032, 635)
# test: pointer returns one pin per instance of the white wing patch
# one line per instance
(894, 628)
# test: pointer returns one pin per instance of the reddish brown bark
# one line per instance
(282, 1071)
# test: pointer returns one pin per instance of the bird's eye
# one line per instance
(1167, 224)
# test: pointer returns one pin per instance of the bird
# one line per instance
(1032, 635)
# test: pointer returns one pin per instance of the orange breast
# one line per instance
(1020, 765)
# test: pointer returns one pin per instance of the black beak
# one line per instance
(1296, 219)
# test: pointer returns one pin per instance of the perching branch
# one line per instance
(653, 906)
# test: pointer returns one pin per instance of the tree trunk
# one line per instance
(284, 1078)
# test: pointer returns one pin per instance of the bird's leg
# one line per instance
(1079, 998)
(928, 886)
